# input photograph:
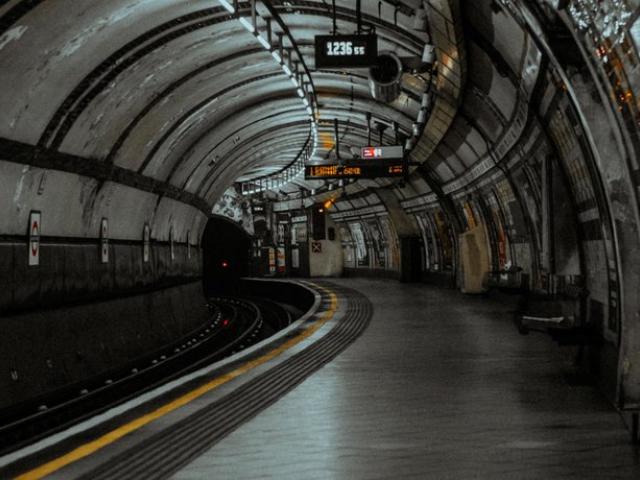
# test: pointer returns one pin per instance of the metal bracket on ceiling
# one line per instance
(281, 44)
(269, 31)
(333, 5)
(276, 16)
(254, 17)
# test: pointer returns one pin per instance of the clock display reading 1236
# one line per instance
(346, 51)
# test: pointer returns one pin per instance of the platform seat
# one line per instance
(559, 315)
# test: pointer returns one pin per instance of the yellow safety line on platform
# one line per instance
(109, 438)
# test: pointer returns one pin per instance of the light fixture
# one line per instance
(263, 42)
(246, 24)
(227, 5)
(298, 168)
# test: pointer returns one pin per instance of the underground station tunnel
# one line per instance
(295, 239)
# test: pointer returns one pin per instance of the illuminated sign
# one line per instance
(315, 172)
(390, 152)
(346, 51)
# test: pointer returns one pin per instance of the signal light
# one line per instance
(225, 322)
(225, 264)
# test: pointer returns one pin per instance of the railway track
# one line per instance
(234, 325)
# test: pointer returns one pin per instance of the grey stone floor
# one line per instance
(440, 386)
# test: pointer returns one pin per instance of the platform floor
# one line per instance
(440, 386)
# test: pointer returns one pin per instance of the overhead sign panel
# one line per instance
(346, 51)
(393, 152)
(320, 172)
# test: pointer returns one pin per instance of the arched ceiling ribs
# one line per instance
(348, 15)
(203, 104)
(118, 62)
(361, 112)
(346, 113)
(295, 132)
(225, 164)
(16, 12)
(277, 130)
(249, 143)
(337, 74)
(259, 147)
(294, 44)
(241, 128)
(160, 97)
(232, 134)
(346, 93)
(284, 149)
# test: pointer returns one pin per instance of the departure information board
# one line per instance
(319, 172)
(346, 51)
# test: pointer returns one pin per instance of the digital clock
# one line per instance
(346, 51)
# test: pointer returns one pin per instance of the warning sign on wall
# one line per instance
(282, 266)
(316, 247)
(172, 249)
(272, 260)
(146, 242)
(104, 241)
(34, 238)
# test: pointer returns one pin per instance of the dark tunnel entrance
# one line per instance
(225, 255)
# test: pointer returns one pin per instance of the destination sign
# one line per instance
(346, 51)
(389, 152)
(316, 172)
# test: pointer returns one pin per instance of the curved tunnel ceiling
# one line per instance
(144, 112)
(174, 89)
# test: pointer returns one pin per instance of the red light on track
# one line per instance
(225, 322)
(225, 264)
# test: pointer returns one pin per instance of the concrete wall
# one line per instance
(44, 351)
(73, 273)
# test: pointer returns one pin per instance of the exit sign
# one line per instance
(394, 152)
(346, 51)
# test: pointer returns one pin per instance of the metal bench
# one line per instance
(558, 315)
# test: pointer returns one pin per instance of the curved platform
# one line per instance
(196, 414)
(439, 385)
